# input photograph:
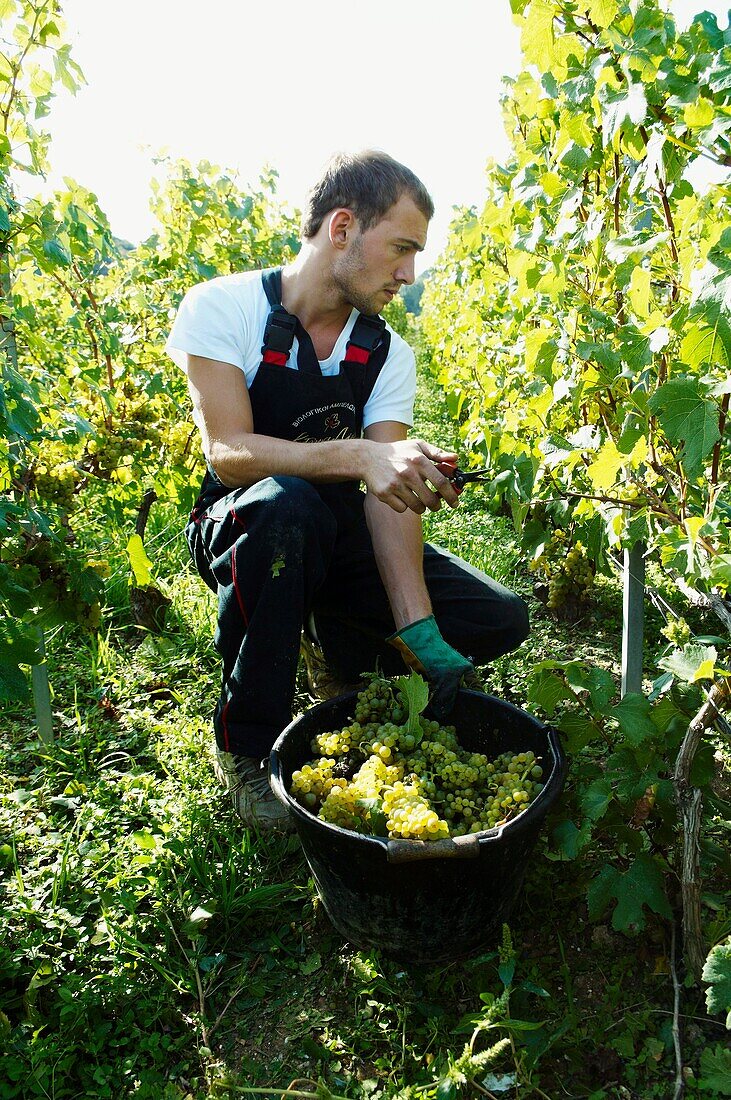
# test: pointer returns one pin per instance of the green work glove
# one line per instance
(424, 649)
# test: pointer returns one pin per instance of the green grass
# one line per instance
(154, 948)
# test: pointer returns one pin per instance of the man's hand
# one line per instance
(424, 649)
(404, 474)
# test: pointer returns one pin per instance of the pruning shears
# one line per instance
(460, 478)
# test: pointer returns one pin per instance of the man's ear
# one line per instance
(340, 227)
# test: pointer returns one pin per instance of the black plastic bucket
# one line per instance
(423, 901)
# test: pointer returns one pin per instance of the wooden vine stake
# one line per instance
(689, 802)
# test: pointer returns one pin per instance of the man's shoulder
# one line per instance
(399, 348)
(239, 286)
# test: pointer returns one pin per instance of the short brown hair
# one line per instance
(368, 183)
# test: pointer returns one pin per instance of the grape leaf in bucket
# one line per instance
(416, 692)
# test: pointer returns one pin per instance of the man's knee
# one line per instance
(517, 623)
(288, 497)
(504, 628)
(288, 507)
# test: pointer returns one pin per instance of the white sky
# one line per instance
(243, 84)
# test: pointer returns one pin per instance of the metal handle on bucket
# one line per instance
(407, 851)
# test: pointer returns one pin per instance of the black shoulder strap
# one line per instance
(365, 354)
(366, 335)
(272, 283)
(282, 327)
(363, 372)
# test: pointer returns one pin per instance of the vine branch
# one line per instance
(679, 1082)
(717, 448)
(689, 800)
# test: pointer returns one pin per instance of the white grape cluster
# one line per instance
(373, 777)
(567, 570)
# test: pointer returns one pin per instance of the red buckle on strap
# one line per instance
(354, 354)
(278, 358)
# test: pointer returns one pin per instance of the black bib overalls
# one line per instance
(284, 548)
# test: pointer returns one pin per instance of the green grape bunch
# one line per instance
(565, 576)
(677, 632)
(378, 777)
(54, 479)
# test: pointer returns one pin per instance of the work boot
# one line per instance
(321, 680)
(247, 779)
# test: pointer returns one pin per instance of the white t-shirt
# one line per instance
(225, 319)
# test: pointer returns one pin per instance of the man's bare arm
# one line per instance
(399, 472)
(398, 545)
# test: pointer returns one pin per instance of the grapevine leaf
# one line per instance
(601, 892)
(712, 289)
(633, 715)
(547, 689)
(699, 114)
(721, 572)
(416, 691)
(140, 564)
(540, 351)
(716, 1070)
(16, 405)
(639, 886)
(56, 252)
(635, 348)
(537, 39)
(633, 430)
(719, 254)
(659, 686)
(638, 292)
(717, 973)
(707, 345)
(629, 248)
(570, 839)
(580, 731)
(376, 817)
(604, 469)
(18, 643)
(720, 389)
(534, 537)
(703, 768)
(13, 684)
(622, 107)
(603, 12)
(691, 663)
(687, 417)
(596, 681)
(596, 799)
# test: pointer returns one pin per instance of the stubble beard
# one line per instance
(347, 282)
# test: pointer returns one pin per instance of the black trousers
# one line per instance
(281, 550)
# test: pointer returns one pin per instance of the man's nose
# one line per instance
(405, 272)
